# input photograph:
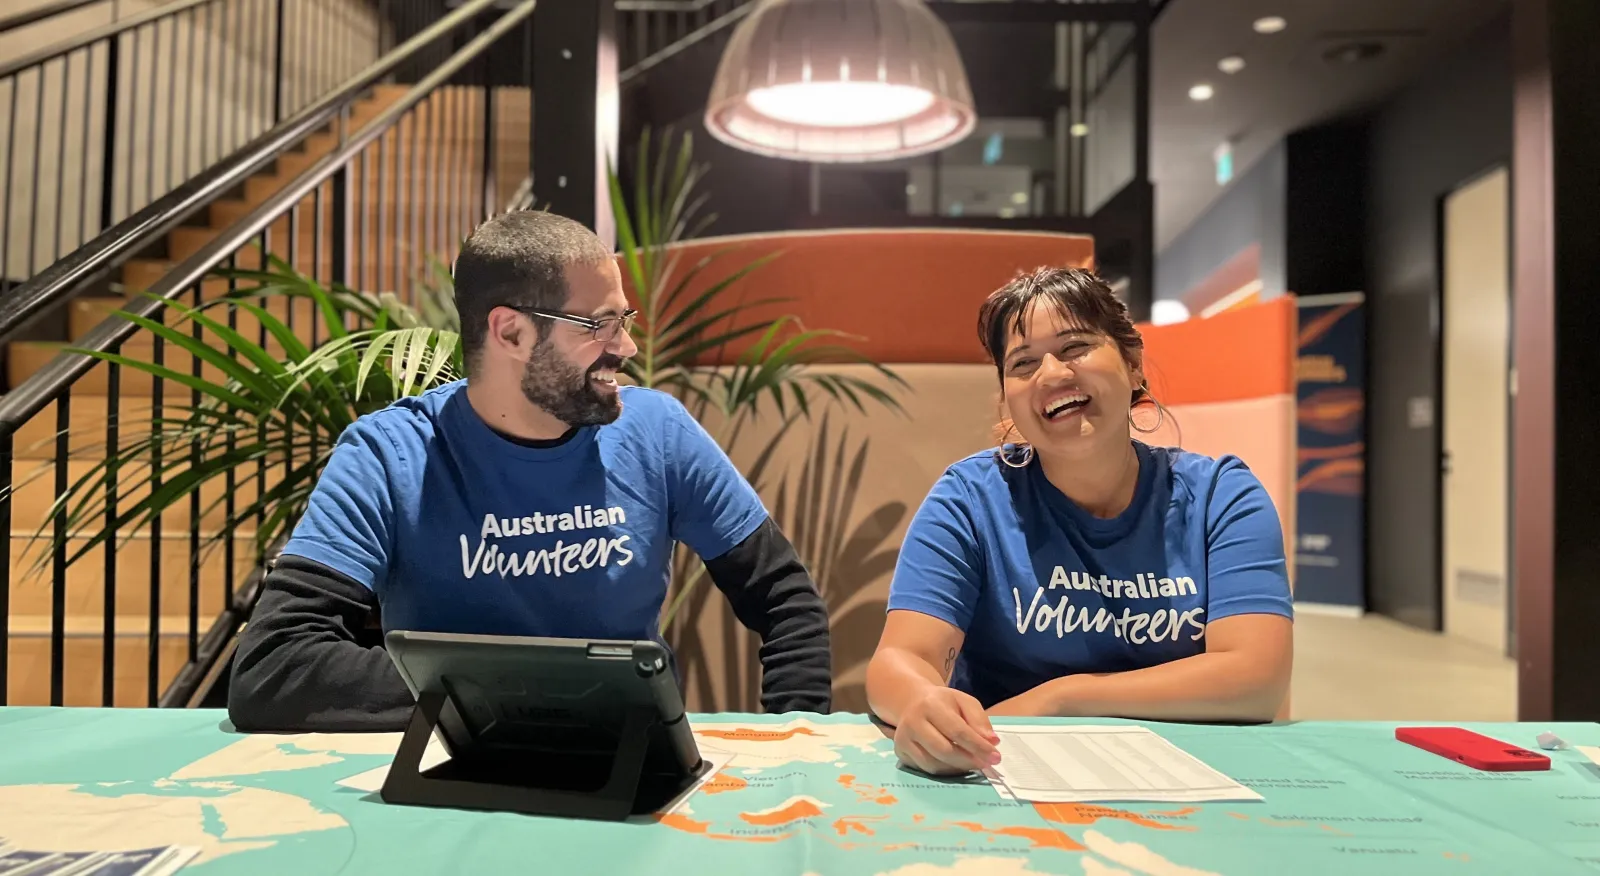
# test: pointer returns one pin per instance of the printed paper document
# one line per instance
(1054, 763)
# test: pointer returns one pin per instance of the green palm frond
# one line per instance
(281, 411)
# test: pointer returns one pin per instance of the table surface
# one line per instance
(803, 795)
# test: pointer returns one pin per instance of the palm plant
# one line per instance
(282, 412)
(687, 325)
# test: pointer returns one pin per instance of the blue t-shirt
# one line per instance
(1044, 589)
(457, 529)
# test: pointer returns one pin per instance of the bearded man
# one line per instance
(534, 498)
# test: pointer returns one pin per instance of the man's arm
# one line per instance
(304, 663)
(300, 663)
(716, 512)
(772, 594)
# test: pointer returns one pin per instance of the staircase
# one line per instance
(129, 626)
(413, 193)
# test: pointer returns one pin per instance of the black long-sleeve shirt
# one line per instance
(311, 660)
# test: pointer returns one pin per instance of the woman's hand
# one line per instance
(938, 730)
(945, 732)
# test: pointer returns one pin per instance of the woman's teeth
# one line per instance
(1064, 404)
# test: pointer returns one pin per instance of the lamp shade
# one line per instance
(840, 81)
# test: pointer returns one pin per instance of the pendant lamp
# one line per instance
(840, 81)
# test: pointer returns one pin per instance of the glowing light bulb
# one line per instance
(839, 104)
(1167, 311)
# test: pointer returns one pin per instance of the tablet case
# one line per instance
(565, 727)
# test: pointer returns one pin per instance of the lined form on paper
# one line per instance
(1064, 763)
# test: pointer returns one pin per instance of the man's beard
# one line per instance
(566, 392)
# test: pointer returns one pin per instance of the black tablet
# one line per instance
(552, 713)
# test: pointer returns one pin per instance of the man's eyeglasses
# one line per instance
(604, 329)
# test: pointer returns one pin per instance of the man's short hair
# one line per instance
(518, 260)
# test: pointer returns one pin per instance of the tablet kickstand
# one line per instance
(463, 786)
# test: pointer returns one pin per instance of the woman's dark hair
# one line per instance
(1076, 293)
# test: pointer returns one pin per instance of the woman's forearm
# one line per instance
(895, 678)
(1217, 686)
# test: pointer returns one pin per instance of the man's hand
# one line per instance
(945, 732)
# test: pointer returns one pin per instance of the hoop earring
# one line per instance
(1027, 456)
(1161, 419)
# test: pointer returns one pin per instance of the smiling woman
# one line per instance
(1068, 321)
(1074, 570)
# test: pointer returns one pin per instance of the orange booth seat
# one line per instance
(906, 295)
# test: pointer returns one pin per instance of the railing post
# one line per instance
(108, 148)
(277, 62)
(58, 556)
(386, 29)
(6, 485)
(1141, 274)
(575, 126)
(340, 233)
(489, 151)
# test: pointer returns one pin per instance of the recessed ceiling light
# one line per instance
(1079, 129)
(1200, 92)
(1231, 64)
(1270, 24)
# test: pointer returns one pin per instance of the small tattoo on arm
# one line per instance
(949, 664)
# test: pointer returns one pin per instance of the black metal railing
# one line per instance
(100, 124)
(403, 187)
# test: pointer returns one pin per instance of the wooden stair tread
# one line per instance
(78, 625)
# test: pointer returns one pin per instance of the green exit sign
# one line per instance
(1224, 161)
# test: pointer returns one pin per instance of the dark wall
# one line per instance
(1250, 211)
(1303, 202)
(1325, 212)
(748, 193)
(1448, 127)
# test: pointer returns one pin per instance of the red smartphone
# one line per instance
(1473, 749)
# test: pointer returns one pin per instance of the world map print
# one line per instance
(818, 795)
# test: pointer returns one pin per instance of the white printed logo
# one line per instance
(557, 559)
(1162, 624)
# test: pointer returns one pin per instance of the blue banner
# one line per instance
(1330, 475)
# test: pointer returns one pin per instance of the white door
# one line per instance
(1477, 364)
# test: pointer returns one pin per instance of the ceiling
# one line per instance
(1286, 83)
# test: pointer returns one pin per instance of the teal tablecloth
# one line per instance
(817, 795)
